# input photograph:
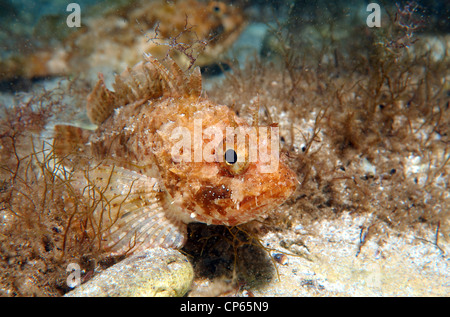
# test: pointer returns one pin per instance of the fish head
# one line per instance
(223, 23)
(224, 19)
(187, 29)
(236, 171)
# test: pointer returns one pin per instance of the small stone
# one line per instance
(154, 273)
(281, 258)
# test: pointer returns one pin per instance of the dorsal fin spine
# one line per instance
(145, 81)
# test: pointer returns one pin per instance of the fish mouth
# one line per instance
(263, 202)
(253, 207)
(220, 205)
(225, 211)
(223, 37)
(271, 191)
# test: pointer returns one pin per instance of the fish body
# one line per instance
(118, 38)
(159, 158)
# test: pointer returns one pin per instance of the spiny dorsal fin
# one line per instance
(142, 82)
(132, 211)
(101, 102)
(181, 83)
(195, 82)
(145, 81)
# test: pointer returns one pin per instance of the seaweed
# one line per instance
(354, 116)
(365, 125)
(41, 212)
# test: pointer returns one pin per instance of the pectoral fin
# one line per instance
(69, 140)
(130, 211)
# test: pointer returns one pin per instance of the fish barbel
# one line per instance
(162, 157)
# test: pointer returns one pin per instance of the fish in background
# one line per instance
(119, 36)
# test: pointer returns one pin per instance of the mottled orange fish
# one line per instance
(119, 37)
(162, 157)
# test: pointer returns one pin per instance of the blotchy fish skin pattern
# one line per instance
(153, 187)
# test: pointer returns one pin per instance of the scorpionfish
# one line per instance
(161, 158)
(119, 37)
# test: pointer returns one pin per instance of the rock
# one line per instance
(155, 273)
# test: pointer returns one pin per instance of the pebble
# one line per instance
(281, 258)
(154, 273)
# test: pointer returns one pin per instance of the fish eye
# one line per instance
(217, 7)
(231, 163)
(230, 157)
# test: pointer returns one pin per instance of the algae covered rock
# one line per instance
(153, 273)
